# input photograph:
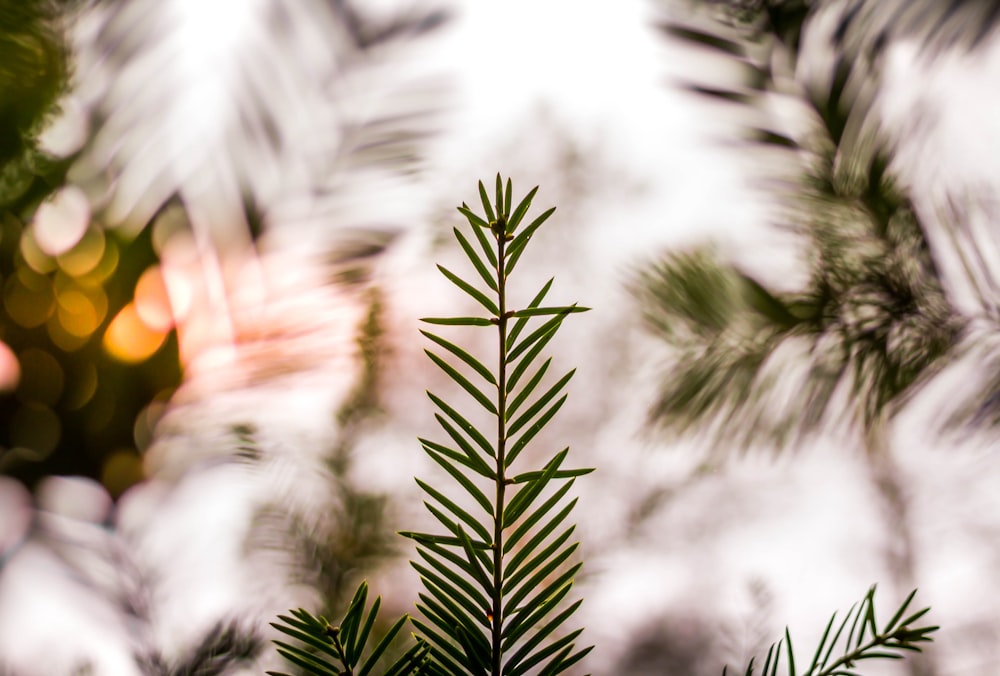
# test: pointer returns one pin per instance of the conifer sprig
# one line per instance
(336, 650)
(498, 575)
(493, 594)
(862, 641)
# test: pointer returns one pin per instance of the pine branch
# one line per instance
(874, 314)
(489, 592)
(497, 578)
(323, 649)
(862, 642)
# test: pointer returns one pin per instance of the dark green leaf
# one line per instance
(535, 516)
(767, 661)
(474, 220)
(408, 663)
(465, 482)
(537, 311)
(525, 438)
(352, 618)
(313, 637)
(473, 456)
(457, 321)
(822, 642)
(914, 617)
(703, 39)
(474, 593)
(475, 293)
(511, 602)
(430, 448)
(501, 213)
(528, 359)
(518, 624)
(869, 621)
(561, 474)
(444, 608)
(466, 426)
(724, 95)
(523, 660)
(854, 624)
(788, 650)
(450, 505)
(463, 382)
(874, 654)
(476, 611)
(354, 650)
(383, 645)
(836, 636)
(519, 325)
(486, 244)
(561, 648)
(542, 330)
(514, 578)
(528, 492)
(771, 137)
(518, 620)
(448, 541)
(486, 203)
(520, 210)
(538, 538)
(519, 243)
(479, 561)
(539, 404)
(899, 613)
(444, 650)
(469, 565)
(524, 393)
(566, 662)
(311, 663)
(477, 651)
(481, 268)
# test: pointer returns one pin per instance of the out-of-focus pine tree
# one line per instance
(759, 364)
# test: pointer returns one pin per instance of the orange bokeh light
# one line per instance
(80, 313)
(129, 339)
(152, 302)
(86, 254)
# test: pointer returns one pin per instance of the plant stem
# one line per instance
(857, 654)
(497, 620)
(343, 656)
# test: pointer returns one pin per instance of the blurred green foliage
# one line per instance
(75, 409)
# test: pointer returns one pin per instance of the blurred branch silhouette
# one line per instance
(146, 150)
(160, 162)
(874, 321)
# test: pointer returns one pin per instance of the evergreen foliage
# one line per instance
(873, 322)
(873, 319)
(863, 641)
(497, 576)
(338, 649)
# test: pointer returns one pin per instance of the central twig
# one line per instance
(499, 231)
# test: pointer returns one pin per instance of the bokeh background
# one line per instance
(218, 228)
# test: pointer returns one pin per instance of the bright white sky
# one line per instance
(598, 62)
(605, 72)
